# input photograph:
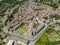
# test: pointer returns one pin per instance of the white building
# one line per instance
(10, 42)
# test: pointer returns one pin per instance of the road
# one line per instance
(32, 42)
(40, 33)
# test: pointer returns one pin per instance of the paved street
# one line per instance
(33, 40)
(40, 33)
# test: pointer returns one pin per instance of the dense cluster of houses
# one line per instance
(30, 15)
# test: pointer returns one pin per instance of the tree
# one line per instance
(0, 28)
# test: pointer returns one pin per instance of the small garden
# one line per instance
(37, 25)
(21, 29)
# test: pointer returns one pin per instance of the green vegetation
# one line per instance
(2, 14)
(57, 23)
(1, 38)
(50, 37)
(8, 4)
(37, 25)
(21, 29)
(12, 2)
(1, 41)
(43, 1)
(54, 25)
(58, 32)
(48, 2)
(41, 40)
(55, 16)
(52, 4)
(10, 17)
(0, 20)
(1, 28)
(59, 1)
(51, 30)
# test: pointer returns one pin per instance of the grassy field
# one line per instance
(50, 37)
(21, 29)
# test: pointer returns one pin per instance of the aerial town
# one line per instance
(29, 22)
